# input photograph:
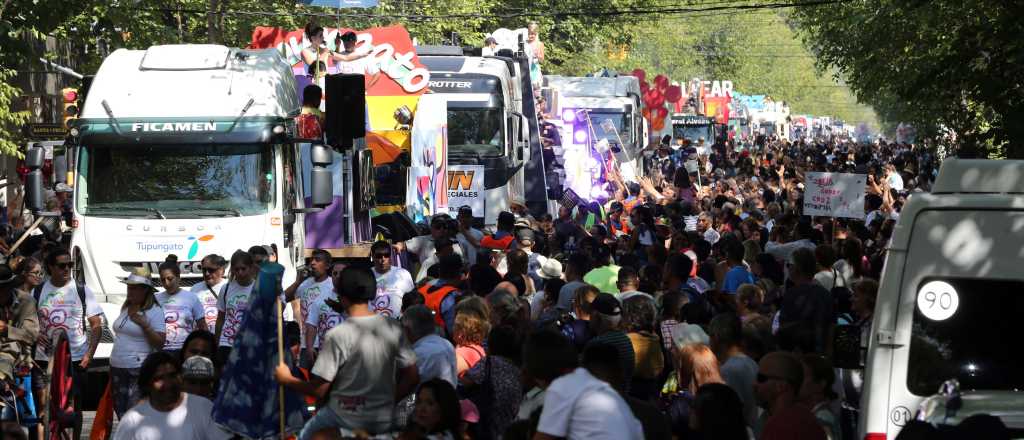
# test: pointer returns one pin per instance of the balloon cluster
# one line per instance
(655, 96)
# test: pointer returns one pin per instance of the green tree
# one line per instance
(938, 64)
(10, 121)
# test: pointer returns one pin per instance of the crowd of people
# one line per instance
(689, 305)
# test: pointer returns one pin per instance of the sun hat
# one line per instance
(140, 276)
(549, 269)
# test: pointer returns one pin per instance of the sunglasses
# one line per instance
(382, 256)
(210, 269)
(37, 273)
(67, 265)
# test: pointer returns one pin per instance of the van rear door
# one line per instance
(961, 301)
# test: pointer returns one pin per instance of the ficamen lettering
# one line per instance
(174, 126)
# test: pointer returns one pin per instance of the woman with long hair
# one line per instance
(30, 274)
(697, 365)
(182, 310)
(140, 331)
(234, 302)
(438, 414)
(518, 272)
(472, 325)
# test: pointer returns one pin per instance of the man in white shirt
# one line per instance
(392, 282)
(783, 251)
(581, 406)
(468, 236)
(166, 412)
(309, 287)
(423, 246)
(62, 307)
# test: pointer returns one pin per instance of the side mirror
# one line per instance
(34, 179)
(846, 347)
(321, 180)
(60, 169)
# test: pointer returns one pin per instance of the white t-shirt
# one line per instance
(190, 420)
(181, 311)
(61, 309)
(468, 249)
(309, 293)
(208, 298)
(130, 347)
(581, 406)
(323, 318)
(234, 303)
(355, 67)
(423, 247)
(391, 287)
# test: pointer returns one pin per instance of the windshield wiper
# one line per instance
(233, 211)
(155, 212)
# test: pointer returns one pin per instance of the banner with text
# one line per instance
(466, 188)
(835, 195)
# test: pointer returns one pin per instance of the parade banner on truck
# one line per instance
(394, 75)
(466, 188)
(834, 195)
(427, 192)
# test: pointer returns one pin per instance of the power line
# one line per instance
(592, 12)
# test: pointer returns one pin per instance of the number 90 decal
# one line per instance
(937, 300)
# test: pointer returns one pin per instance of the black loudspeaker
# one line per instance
(395, 226)
(346, 109)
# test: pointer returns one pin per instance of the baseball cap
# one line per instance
(606, 304)
(197, 367)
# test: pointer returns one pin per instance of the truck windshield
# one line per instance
(175, 180)
(977, 345)
(476, 131)
(619, 120)
(692, 132)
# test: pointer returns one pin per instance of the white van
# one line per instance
(951, 301)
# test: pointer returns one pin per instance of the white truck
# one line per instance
(487, 124)
(186, 149)
(598, 112)
(950, 301)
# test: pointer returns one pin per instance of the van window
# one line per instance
(979, 345)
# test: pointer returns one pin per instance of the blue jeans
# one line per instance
(326, 418)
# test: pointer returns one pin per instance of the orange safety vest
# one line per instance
(433, 295)
(496, 243)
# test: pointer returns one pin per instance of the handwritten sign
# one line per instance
(834, 195)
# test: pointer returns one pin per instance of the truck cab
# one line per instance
(601, 108)
(693, 128)
(951, 296)
(486, 121)
(186, 150)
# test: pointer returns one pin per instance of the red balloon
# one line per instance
(644, 87)
(640, 74)
(661, 81)
(659, 102)
(673, 94)
(662, 112)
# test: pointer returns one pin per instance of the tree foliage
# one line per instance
(943, 63)
(758, 51)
